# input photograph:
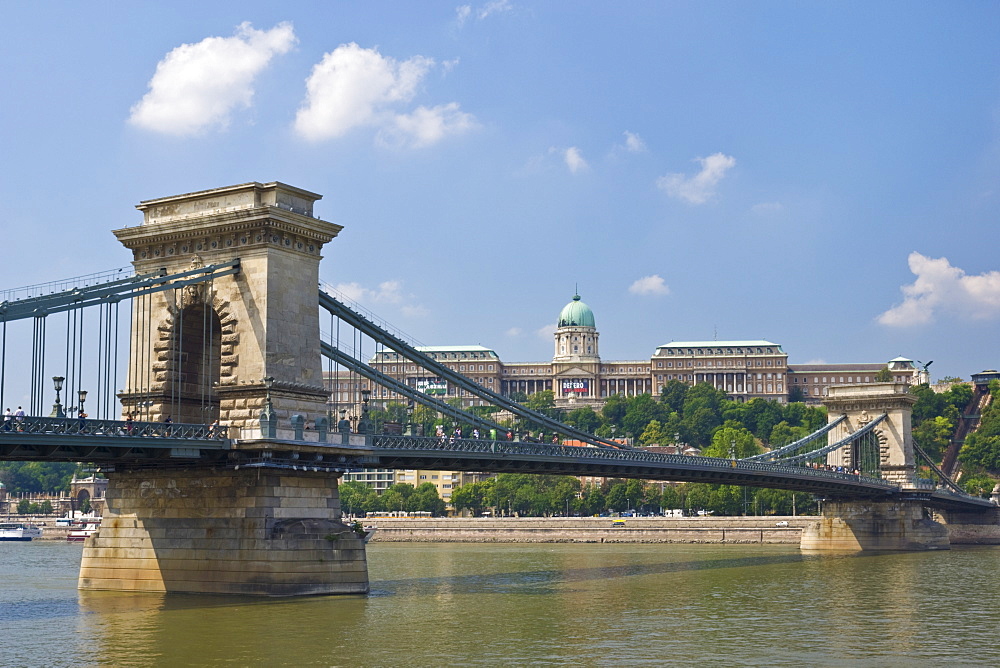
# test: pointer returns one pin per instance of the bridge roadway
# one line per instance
(143, 444)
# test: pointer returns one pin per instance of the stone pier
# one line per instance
(859, 524)
(248, 531)
(236, 349)
(852, 526)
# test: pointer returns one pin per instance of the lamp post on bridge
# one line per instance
(57, 409)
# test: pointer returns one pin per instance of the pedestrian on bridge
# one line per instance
(8, 417)
(19, 417)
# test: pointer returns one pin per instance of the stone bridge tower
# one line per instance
(201, 353)
(874, 524)
(891, 444)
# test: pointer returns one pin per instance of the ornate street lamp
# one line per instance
(82, 396)
(57, 409)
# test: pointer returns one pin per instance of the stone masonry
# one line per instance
(250, 531)
(267, 314)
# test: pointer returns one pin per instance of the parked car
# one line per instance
(782, 523)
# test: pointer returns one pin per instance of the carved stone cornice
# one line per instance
(883, 402)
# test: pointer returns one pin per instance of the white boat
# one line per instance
(19, 531)
(80, 535)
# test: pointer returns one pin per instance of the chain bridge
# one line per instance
(223, 451)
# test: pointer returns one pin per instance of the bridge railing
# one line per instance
(114, 428)
(518, 448)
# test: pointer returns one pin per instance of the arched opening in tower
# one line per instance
(866, 455)
(197, 348)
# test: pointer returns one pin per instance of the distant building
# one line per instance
(577, 376)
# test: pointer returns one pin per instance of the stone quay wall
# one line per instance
(590, 530)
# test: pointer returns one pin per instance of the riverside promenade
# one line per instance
(745, 530)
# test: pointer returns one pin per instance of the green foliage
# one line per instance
(729, 442)
(584, 418)
(639, 412)
(523, 494)
(883, 375)
(36, 477)
(982, 448)
(933, 436)
(672, 395)
(980, 484)
(653, 434)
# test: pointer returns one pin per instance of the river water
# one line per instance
(541, 604)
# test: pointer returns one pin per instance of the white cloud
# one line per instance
(197, 86)
(699, 188)
(387, 292)
(546, 333)
(765, 208)
(942, 287)
(494, 7)
(634, 143)
(416, 311)
(513, 331)
(354, 87)
(649, 285)
(464, 12)
(574, 159)
(426, 126)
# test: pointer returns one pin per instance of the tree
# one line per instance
(614, 410)
(616, 497)
(795, 394)
(672, 395)
(639, 412)
(23, 507)
(46, 507)
(425, 498)
(653, 434)
(883, 375)
(933, 436)
(728, 439)
(584, 418)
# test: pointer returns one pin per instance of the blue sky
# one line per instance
(820, 175)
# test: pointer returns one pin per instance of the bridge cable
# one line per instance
(834, 446)
(398, 387)
(797, 444)
(3, 358)
(941, 474)
(357, 320)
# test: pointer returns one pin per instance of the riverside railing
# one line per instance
(76, 426)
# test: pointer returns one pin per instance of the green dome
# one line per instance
(576, 314)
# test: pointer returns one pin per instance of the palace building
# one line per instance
(577, 376)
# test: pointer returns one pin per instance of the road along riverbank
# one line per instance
(776, 530)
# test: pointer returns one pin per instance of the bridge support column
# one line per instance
(861, 525)
(250, 531)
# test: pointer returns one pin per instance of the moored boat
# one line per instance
(80, 535)
(19, 531)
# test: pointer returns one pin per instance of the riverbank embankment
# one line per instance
(590, 530)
